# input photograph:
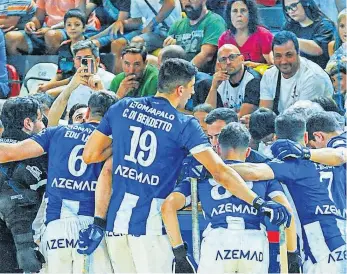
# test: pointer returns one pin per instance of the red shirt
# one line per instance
(257, 44)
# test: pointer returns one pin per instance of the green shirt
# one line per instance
(191, 38)
(148, 84)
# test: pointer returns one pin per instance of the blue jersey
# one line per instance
(150, 140)
(322, 223)
(338, 187)
(222, 209)
(71, 183)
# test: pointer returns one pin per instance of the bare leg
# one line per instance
(15, 40)
(53, 39)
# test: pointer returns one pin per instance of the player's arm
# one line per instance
(98, 148)
(174, 202)
(291, 230)
(225, 175)
(329, 156)
(20, 151)
(254, 172)
(103, 190)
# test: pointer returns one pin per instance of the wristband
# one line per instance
(180, 251)
(307, 153)
(100, 222)
(258, 202)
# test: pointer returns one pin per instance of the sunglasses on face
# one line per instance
(231, 58)
(291, 7)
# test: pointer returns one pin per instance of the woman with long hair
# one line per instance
(312, 27)
(340, 35)
(245, 32)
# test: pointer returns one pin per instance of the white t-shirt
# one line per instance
(309, 82)
(139, 9)
(82, 93)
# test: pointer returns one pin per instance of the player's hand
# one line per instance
(30, 27)
(29, 258)
(183, 262)
(169, 41)
(284, 148)
(219, 77)
(245, 120)
(117, 26)
(294, 262)
(128, 84)
(95, 82)
(90, 238)
(276, 212)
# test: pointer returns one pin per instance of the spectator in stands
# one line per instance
(4, 88)
(200, 112)
(15, 14)
(75, 23)
(113, 13)
(41, 33)
(149, 22)
(198, 34)
(337, 72)
(234, 85)
(338, 48)
(293, 77)
(253, 40)
(138, 79)
(313, 29)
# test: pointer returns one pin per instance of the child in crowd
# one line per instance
(75, 25)
(338, 48)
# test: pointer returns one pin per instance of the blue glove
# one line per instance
(183, 262)
(277, 213)
(90, 238)
(284, 148)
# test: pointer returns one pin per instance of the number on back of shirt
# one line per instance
(146, 142)
(327, 178)
(76, 165)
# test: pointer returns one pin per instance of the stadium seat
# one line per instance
(13, 80)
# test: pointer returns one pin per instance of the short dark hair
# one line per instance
(327, 103)
(16, 110)
(262, 123)
(304, 108)
(44, 99)
(283, 37)
(207, 108)
(290, 126)
(321, 121)
(234, 135)
(227, 115)
(85, 44)
(99, 103)
(253, 20)
(173, 51)
(136, 48)
(75, 13)
(175, 72)
(73, 109)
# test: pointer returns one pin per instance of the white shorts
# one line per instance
(336, 262)
(234, 251)
(143, 254)
(59, 247)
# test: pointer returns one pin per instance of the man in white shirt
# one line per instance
(293, 78)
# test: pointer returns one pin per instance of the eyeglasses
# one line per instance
(231, 58)
(291, 7)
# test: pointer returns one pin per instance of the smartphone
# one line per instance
(89, 64)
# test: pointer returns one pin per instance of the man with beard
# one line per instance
(138, 79)
(198, 34)
(22, 185)
(293, 78)
(234, 85)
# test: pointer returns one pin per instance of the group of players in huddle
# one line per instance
(111, 198)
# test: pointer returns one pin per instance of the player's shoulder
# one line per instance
(338, 141)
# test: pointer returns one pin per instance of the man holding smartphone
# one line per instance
(234, 85)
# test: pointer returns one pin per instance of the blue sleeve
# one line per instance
(193, 138)
(104, 126)
(43, 138)
(185, 189)
(274, 189)
(285, 172)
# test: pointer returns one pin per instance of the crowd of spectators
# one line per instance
(242, 65)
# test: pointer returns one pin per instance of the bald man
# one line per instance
(234, 85)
